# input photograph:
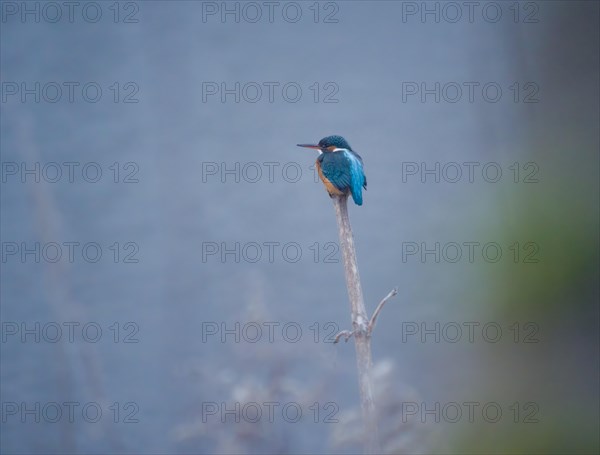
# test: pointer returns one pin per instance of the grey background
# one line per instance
(173, 210)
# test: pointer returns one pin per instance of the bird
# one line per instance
(340, 168)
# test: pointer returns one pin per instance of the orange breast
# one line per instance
(331, 189)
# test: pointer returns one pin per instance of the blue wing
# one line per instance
(345, 171)
(358, 179)
(335, 168)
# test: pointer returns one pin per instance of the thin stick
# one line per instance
(347, 334)
(360, 324)
(373, 320)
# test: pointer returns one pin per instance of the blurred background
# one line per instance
(170, 264)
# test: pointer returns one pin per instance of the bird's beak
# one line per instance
(310, 146)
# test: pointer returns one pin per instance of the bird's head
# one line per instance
(329, 144)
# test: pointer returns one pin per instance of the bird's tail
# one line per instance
(357, 195)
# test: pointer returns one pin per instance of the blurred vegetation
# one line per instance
(558, 292)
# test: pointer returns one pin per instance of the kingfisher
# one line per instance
(340, 168)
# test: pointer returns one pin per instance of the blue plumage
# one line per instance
(344, 170)
(340, 168)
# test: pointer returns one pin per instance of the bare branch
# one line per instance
(347, 334)
(360, 324)
(373, 320)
